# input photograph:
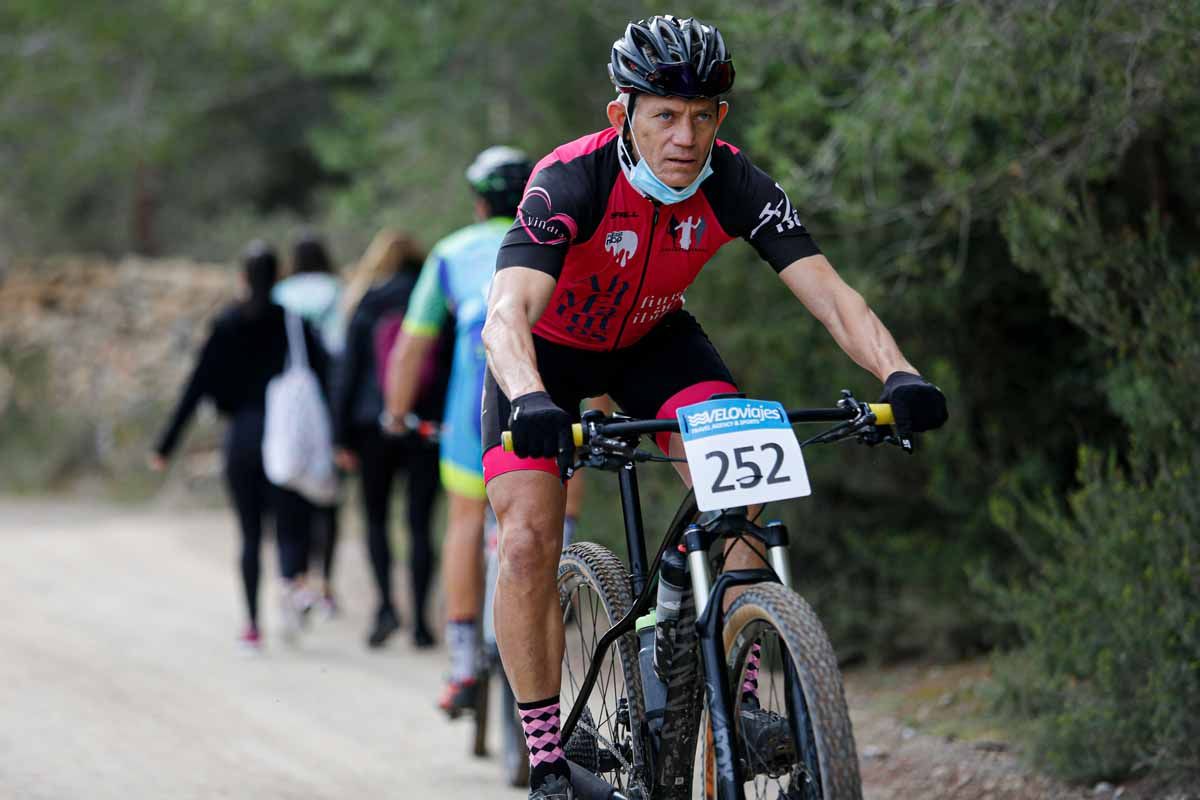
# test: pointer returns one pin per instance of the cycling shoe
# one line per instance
(457, 697)
(555, 787)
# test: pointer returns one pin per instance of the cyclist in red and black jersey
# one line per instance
(588, 299)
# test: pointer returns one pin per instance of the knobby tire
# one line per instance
(778, 618)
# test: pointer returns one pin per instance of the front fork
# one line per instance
(774, 536)
(709, 599)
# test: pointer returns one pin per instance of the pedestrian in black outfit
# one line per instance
(384, 281)
(245, 349)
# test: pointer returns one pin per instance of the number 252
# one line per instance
(755, 475)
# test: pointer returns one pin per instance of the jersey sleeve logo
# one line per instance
(782, 213)
(622, 244)
(540, 223)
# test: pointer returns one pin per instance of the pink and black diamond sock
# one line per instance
(750, 684)
(540, 721)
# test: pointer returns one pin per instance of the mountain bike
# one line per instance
(673, 696)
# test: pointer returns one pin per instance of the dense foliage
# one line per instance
(1011, 186)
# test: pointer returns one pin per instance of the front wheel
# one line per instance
(794, 739)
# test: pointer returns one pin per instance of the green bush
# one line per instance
(1109, 672)
(1110, 668)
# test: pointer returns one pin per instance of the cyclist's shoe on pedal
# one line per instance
(766, 740)
(458, 696)
(554, 787)
(386, 623)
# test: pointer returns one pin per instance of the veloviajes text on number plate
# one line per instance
(741, 452)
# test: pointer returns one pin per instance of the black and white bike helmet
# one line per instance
(499, 175)
(668, 56)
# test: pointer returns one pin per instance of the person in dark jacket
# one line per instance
(246, 348)
(384, 281)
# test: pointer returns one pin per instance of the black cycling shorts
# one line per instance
(672, 366)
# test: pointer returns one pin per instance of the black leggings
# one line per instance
(253, 498)
(380, 459)
(325, 539)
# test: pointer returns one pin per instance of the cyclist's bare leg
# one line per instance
(529, 507)
(462, 564)
(738, 554)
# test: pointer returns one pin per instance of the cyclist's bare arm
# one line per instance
(845, 315)
(404, 372)
(518, 297)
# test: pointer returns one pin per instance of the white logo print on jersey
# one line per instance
(783, 211)
(622, 244)
(691, 231)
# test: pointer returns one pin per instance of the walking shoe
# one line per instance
(422, 638)
(457, 697)
(295, 606)
(327, 606)
(250, 640)
(554, 787)
(386, 623)
(766, 741)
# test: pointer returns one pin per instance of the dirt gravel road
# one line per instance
(120, 677)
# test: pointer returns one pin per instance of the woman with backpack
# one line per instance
(246, 348)
(377, 297)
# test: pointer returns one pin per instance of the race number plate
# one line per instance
(741, 452)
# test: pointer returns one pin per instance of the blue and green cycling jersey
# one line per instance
(455, 280)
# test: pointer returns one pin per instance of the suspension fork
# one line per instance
(709, 598)
(774, 535)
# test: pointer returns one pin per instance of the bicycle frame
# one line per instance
(709, 599)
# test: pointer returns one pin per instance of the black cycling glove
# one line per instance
(540, 429)
(917, 404)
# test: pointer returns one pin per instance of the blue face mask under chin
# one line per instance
(646, 182)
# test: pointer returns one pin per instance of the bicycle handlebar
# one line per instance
(506, 440)
(882, 411)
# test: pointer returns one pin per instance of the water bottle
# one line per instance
(672, 583)
(654, 691)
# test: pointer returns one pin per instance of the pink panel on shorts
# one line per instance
(696, 393)
(497, 462)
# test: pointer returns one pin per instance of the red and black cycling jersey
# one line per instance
(622, 262)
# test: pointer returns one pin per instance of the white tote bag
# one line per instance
(297, 440)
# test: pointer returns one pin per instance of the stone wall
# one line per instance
(94, 353)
